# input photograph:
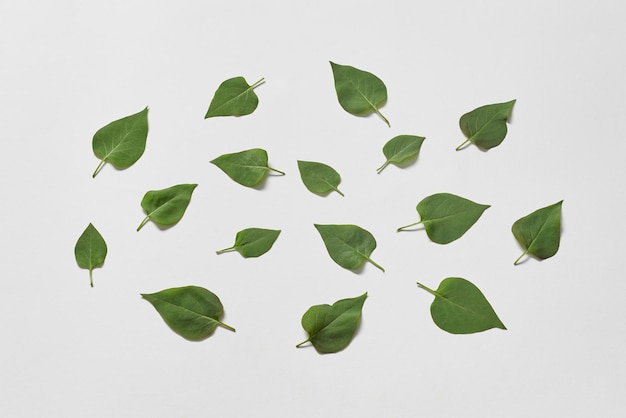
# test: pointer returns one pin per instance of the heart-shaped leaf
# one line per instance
(234, 97)
(121, 142)
(319, 178)
(486, 126)
(461, 308)
(348, 245)
(446, 217)
(90, 250)
(192, 312)
(247, 168)
(359, 92)
(332, 328)
(166, 207)
(400, 149)
(540, 232)
(253, 242)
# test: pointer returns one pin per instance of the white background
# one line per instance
(69, 67)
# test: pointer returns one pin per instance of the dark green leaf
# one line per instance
(348, 245)
(192, 312)
(359, 92)
(461, 308)
(401, 148)
(90, 250)
(121, 142)
(319, 178)
(540, 232)
(486, 126)
(166, 207)
(253, 242)
(234, 97)
(446, 217)
(331, 328)
(247, 168)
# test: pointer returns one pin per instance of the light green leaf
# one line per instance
(461, 308)
(540, 232)
(247, 168)
(90, 250)
(253, 242)
(234, 97)
(121, 142)
(192, 312)
(167, 206)
(486, 126)
(446, 217)
(401, 148)
(319, 178)
(332, 328)
(359, 92)
(348, 245)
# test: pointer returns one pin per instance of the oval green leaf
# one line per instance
(400, 149)
(446, 217)
(359, 92)
(348, 245)
(192, 312)
(90, 250)
(461, 308)
(234, 97)
(121, 142)
(332, 328)
(319, 178)
(486, 126)
(167, 206)
(539, 233)
(253, 242)
(247, 168)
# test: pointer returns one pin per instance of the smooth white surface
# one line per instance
(69, 68)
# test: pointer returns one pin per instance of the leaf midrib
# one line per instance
(217, 322)
(484, 125)
(248, 89)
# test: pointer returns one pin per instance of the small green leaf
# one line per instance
(461, 308)
(234, 97)
(486, 126)
(247, 168)
(253, 242)
(401, 148)
(192, 312)
(319, 178)
(359, 92)
(90, 250)
(540, 232)
(167, 206)
(348, 245)
(332, 328)
(446, 217)
(121, 142)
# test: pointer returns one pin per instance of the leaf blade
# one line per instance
(166, 207)
(319, 178)
(90, 250)
(485, 126)
(248, 167)
(539, 233)
(400, 149)
(234, 97)
(253, 242)
(350, 246)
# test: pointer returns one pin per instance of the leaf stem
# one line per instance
(277, 171)
(520, 257)
(462, 145)
(102, 162)
(382, 117)
(145, 220)
(303, 342)
(379, 169)
(228, 327)
(376, 264)
(257, 83)
(91, 277)
(408, 226)
(432, 292)
(339, 191)
(225, 250)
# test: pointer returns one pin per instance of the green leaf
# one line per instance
(166, 207)
(359, 92)
(461, 308)
(90, 250)
(400, 149)
(121, 142)
(348, 245)
(540, 232)
(253, 242)
(247, 168)
(446, 217)
(319, 178)
(331, 328)
(486, 126)
(192, 312)
(234, 97)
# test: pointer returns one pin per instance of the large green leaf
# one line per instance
(358, 91)
(486, 126)
(540, 232)
(446, 217)
(167, 206)
(461, 308)
(318, 177)
(121, 142)
(247, 168)
(400, 149)
(234, 97)
(253, 242)
(332, 328)
(348, 245)
(192, 312)
(90, 250)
